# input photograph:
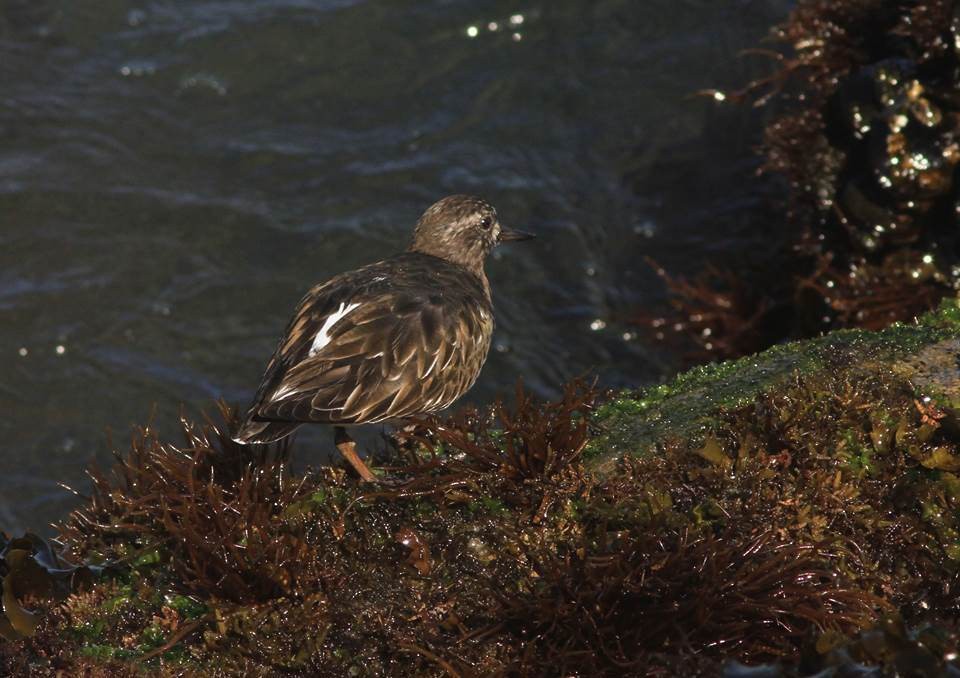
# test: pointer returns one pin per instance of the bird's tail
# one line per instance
(259, 431)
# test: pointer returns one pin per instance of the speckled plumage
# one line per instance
(404, 336)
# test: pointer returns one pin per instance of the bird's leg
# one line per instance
(348, 448)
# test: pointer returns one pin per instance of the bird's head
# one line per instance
(462, 229)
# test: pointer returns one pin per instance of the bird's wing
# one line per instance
(374, 354)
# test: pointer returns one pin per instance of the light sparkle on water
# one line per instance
(512, 24)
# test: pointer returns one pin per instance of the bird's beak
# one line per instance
(510, 235)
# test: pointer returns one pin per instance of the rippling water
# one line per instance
(175, 174)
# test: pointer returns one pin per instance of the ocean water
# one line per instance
(175, 174)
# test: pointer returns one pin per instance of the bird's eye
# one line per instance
(486, 223)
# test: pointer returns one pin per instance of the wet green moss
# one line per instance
(687, 406)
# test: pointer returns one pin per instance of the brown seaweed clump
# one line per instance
(32, 569)
(867, 137)
(813, 524)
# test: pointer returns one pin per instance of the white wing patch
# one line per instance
(323, 336)
(283, 392)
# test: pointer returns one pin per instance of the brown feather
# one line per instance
(412, 336)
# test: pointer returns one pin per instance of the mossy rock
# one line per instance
(772, 509)
(926, 353)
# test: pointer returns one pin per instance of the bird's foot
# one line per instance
(348, 448)
(349, 452)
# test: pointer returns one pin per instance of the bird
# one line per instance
(399, 338)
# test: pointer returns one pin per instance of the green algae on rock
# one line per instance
(686, 407)
(781, 508)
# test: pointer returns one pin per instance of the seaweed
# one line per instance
(865, 133)
(31, 569)
(805, 516)
(676, 591)
(530, 441)
(221, 544)
(718, 315)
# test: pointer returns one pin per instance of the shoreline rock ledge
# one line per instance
(797, 509)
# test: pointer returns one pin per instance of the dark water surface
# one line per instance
(174, 175)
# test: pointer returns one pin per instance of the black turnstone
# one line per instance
(401, 337)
